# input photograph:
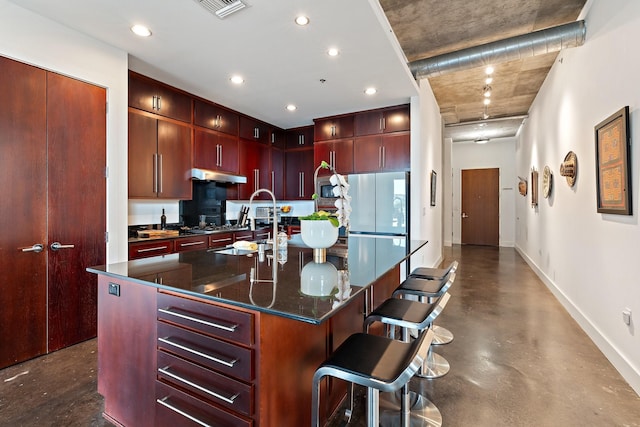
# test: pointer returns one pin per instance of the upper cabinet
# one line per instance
(152, 96)
(300, 137)
(382, 153)
(159, 158)
(254, 130)
(387, 120)
(334, 128)
(215, 117)
(278, 138)
(215, 151)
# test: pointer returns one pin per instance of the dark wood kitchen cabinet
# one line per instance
(159, 158)
(215, 151)
(382, 153)
(215, 117)
(385, 120)
(299, 170)
(255, 165)
(254, 130)
(155, 97)
(334, 127)
(278, 138)
(338, 153)
(277, 172)
(300, 137)
(56, 126)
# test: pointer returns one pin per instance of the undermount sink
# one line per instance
(234, 251)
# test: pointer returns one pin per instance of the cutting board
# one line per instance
(157, 233)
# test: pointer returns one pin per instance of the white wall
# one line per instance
(589, 260)
(497, 153)
(426, 155)
(29, 38)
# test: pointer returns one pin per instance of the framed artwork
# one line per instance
(613, 164)
(434, 178)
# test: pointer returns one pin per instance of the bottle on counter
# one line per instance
(163, 221)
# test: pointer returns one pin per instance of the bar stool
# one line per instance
(442, 335)
(427, 291)
(407, 314)
(378, 363)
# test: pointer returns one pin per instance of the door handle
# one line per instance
(38, 247)
(464, 215)
(57, 245)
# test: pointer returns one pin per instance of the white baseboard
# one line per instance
(622, 365)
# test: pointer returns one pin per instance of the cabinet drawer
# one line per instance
(148, 249)
(220, 322)
(191, 243)
(215, 354)
(243, 235)
(219, 240)
(177, 408)
(206, 384)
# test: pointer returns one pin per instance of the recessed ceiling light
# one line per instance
(370, 91)
(489, 70)
(141, 30)
(302, 20)
(291, 107)
(333, 52)
(237, 79)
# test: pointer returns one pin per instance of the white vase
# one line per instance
(318, 234)
(318, 279)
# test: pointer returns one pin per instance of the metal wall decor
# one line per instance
(569, 168)
(547, 182)
(534, 188)
(613, 164)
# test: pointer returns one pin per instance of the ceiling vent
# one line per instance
(222, 8)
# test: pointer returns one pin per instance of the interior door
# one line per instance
(480, 207)
(23, 217)
(76, 133)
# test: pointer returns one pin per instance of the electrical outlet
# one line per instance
(114, 289)
(626, 316)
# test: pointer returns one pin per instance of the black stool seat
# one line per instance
(406, 313)
(434, 273)
(378, 363)
(425, 288)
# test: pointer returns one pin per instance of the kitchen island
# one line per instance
(209, 336)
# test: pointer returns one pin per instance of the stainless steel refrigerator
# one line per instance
(379, 217)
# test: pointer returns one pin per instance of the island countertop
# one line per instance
(304, 290)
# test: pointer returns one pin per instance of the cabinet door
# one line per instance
(254, 130)
(155, 97)
(369, 123)
(299, 171)
(215, 117)
(143, 149)
(174, 161)
(23, 174)
(76, 140)
(397, 119)
(334, 128)
(254, 164)
(300, 137)
(397, 152)
(369, 158)
(216, 151)
(277, 173)
(338, 154)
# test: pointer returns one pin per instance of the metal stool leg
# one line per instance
(442, 335)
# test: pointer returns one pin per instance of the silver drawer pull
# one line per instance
(199, 387)
(231, 328)
(191, 244)
(227, 363)
(221, 240)
(184, 414)
(157, 248)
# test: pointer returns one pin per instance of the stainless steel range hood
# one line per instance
(210, 175)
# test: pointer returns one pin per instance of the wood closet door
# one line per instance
(23, 204)
(76, 132)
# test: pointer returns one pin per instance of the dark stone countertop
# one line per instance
(225, 278)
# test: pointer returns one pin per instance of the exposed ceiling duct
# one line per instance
(527, 45)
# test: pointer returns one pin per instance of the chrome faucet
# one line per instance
(274, 234)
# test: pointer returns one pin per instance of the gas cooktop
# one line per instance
(211, 229)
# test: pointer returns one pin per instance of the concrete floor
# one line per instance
(518, 359)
